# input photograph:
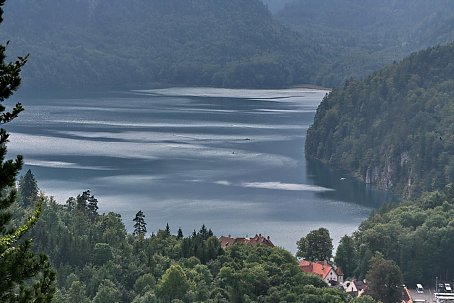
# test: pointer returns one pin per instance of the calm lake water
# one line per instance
(230, 159)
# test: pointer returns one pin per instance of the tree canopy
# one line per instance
(96, 260)
(385, 280)
(93, 44)
(317, 245)
(25, 276)
(416, 235)
(394, 128)
(364, 36)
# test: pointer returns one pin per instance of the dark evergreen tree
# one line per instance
(28, 189)
(346, 256)
(92, 205)
(180, 233)
(167, 229)
(71, 204)
(25, 277)
(140, 226)
(87, 203)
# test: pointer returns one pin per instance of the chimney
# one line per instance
(268, 238)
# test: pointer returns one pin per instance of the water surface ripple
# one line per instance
(230, 159)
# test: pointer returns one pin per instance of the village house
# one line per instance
(355, 288)
(330, 274)
(257, 240)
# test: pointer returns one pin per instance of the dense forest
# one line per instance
(113, 44)
(417, 235)
(364, 36)
(394, 128)
(118, 44)
(97, 261)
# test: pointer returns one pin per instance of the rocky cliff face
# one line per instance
(388, 176)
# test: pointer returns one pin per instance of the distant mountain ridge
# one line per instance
(393, 129)
(137, 43)
(367, 35)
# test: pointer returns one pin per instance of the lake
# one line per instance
(230, 159)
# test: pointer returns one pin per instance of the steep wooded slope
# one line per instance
(394, 129)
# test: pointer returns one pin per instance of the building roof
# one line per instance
(406, 297)
(360, 285)
(257, 240)
(320, 268)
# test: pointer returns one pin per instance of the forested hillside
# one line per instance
(417, 235)
(393, 129)
(366, 35)
(97, 261)
(137, 43)
(239, 43)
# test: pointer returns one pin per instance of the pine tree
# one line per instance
(86, 203)
(92, 205)
(180, 233)
(25, 277)
(168, 229)
(28, 189)
(346, 256)
(140, 226)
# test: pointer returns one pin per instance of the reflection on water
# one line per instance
(230, 159)
(346, 188)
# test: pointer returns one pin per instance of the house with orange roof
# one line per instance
(257, 240)
(330, 274)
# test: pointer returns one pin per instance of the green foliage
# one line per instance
(346, 257)
(86, 203)
(28, 189)
(92, 44)
(107, 293)
(102, 253)
(394, 128)
(173, 284)
(25, 276)
(97, 261)
(385, 280)
(417, 235)
(77, 293)
(363, 36)
(317, 245)
(144, 283)
(140, 226)
(363, 299)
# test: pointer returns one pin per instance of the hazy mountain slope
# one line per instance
(394, 129)
(113, 43)
(366, 35)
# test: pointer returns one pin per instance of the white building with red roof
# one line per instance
(330, 274)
